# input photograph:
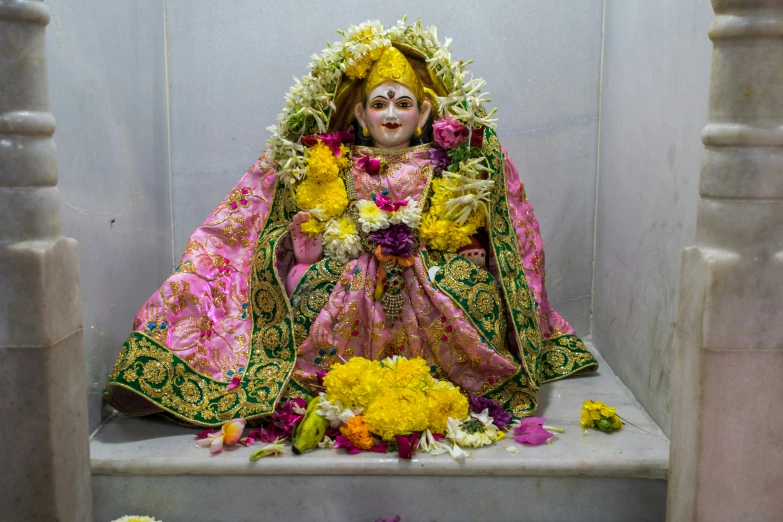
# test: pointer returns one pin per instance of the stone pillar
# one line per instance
(727, 424)
(45, 447)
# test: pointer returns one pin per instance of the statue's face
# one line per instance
(391, 115)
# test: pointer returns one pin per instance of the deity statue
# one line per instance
(384, 219)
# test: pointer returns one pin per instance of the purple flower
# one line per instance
(440, 159)
(500, 417)
(397, 240)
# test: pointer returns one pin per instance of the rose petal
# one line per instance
(234, 383)
(204, 434)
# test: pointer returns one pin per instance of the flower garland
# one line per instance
(314, 166)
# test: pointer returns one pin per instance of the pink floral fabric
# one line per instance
(201, 311)
(531, 249)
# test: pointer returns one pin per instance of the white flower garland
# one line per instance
(372, 218)
(308, 102)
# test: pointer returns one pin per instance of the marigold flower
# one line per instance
(355, 383)
(402, 372)
(357, 432)
(321, 165)
(312, 227)
(397, 411)
(444, 400)
(330, 197)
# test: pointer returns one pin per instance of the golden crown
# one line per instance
(393, 66)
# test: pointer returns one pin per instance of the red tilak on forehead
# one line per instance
(390, 94)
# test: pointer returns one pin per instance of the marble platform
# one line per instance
(148, 466)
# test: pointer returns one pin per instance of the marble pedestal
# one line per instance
(727, 447)
(45, 453)
(153, 467)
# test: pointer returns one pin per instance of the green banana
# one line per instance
(310, 431)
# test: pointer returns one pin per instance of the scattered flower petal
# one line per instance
(274, 449)
(406, 445)
(531, 431)
(512, 449)
(326, 443)
(235, 380)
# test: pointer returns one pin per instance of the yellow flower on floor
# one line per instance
(357, 432)
(402, 372)
(397, 411)
(444, 400)
(596, 414)
(354, 383)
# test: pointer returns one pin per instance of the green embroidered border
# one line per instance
(149, 369)
(311, 294)
(563, 356)
(516, 395)
(474, 290)
(512, 275)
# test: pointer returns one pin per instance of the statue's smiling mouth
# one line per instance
(391, 125)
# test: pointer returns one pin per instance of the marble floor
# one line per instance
(130, 455)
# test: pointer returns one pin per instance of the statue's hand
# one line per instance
(307, 250)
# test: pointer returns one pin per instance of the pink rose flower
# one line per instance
(448, 132)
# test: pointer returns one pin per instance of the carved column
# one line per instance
(45, 447)
(727, 428)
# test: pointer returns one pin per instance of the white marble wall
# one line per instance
(108, 94)
(654, 103)
(231, 63)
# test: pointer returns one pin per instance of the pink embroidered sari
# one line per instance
(221, 339)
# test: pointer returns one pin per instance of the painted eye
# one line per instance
(378, 105)
(404, 105)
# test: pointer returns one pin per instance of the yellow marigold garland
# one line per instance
(329, 196)
(321, 164)
(439, 233)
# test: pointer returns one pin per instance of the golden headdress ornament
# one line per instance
(392, 66)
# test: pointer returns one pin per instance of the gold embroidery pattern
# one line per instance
(475, 291)
(311, 295)
(149, 369)
(563, 356)
(512, 276)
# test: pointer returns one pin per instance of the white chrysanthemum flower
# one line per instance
(428, 444)
(474, 432)
(409, 214)
(371, 218)
(341, 240)
(335, 412)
